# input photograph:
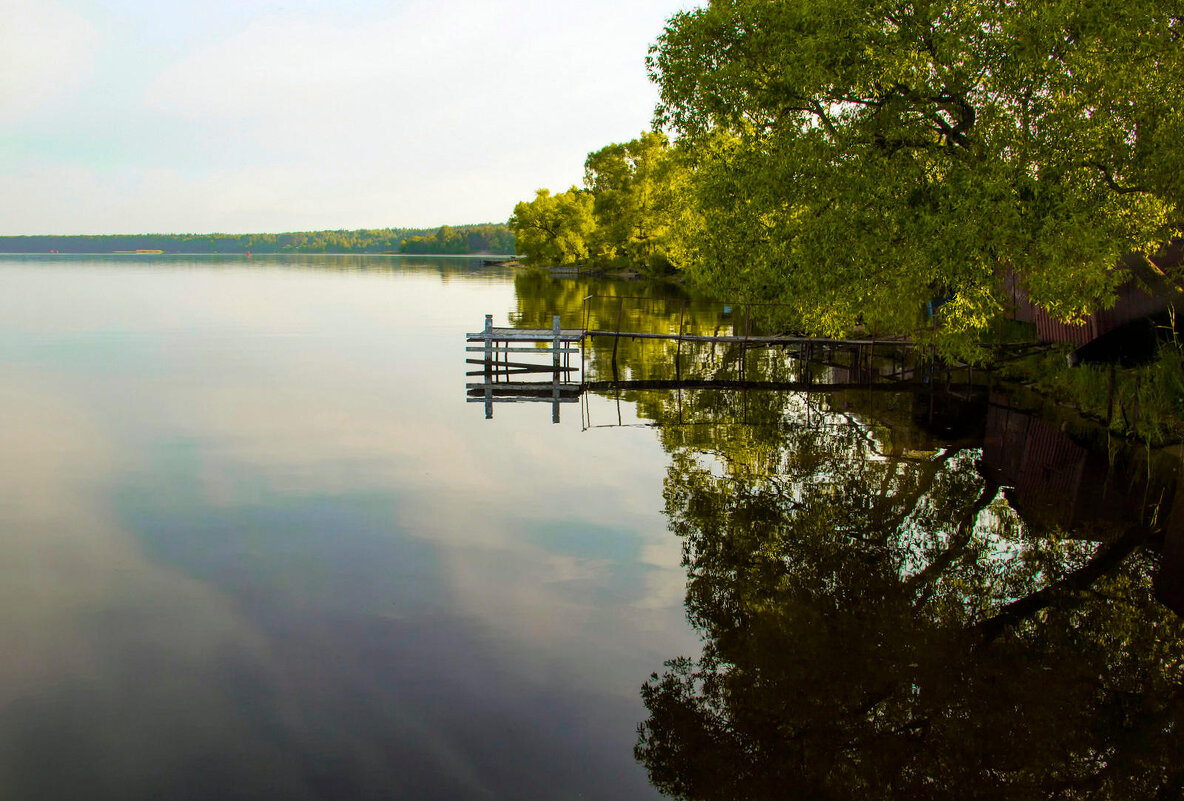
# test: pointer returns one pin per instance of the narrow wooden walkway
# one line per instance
(526, 335)
(499, 373)
(576, 335)
(775, 339)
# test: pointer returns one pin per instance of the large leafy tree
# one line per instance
(553, 229)
(857, 158)
(639, 188)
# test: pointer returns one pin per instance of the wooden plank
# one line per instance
(527, 335)
(771, 340)
(525, 386)
(776, 386)
(536, 367)
(524, 399)
(570, 393)
(576, 335)
(500, 375)
(541, 351)
(510, 391)
(541, 332)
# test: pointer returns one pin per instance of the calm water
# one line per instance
(255, 543)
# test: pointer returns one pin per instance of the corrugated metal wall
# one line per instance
(1132, 304)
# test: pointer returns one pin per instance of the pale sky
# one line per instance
(194, 116)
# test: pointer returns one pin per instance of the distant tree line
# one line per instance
(493, 238)
(487, 238)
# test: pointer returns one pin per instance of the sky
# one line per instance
(239, 116)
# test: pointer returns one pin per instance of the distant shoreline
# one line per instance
(479, 239)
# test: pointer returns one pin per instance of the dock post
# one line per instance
(744, 344)
(678, 347)
(617, 338)
(489, 367)
(584, 337)
(488, 341)
(555, 342)
(871, 358)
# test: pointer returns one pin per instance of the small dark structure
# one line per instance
(1134, 302)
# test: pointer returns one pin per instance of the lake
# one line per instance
(257, 542)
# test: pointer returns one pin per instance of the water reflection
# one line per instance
(255, 547)
(881, 620)
(252, 547)
(930, 591)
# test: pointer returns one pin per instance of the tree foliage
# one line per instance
(635, 197)
(857, 158)
(553, 229)
(638, 187)
(462, 239)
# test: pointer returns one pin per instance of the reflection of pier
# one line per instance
(1055, 480)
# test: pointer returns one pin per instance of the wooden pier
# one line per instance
(504, 351)
(497, 367)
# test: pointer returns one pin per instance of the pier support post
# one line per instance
(617, 336)
(555, 342)
(744, 344)
(488, 341)
(489, 367)
(678, 347)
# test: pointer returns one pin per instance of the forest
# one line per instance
(491, 238)
(894, 167)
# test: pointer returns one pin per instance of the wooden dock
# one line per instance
(497, 368)
(503, 362)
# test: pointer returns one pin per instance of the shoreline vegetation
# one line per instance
(911, 170)
(493, 239)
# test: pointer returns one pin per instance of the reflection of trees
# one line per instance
(653, 307)
(447, 268)
(649, 307)
(643, 306)
(877, 620)
(887, 628)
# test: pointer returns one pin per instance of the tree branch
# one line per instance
(1108, 558)
(1108, 177)
(957, 545)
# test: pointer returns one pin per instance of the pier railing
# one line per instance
(499, 370)
(506, 371)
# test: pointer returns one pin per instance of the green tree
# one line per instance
(553, 229)
(856, 158)
(638, 187)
